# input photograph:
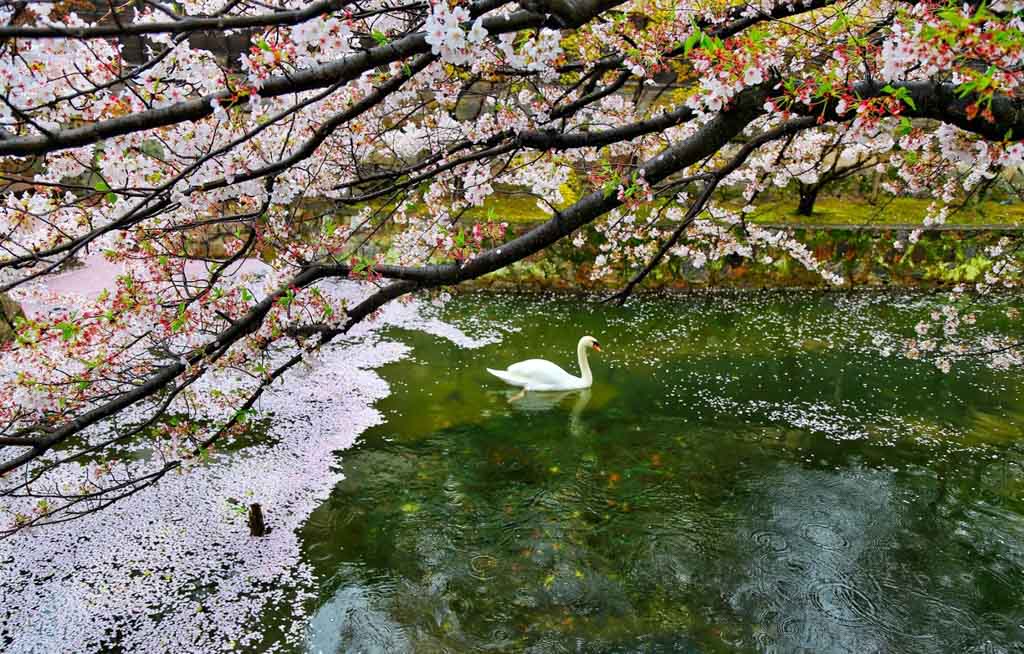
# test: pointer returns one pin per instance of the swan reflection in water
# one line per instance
(541, 401)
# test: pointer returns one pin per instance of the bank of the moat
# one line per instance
(864, 255)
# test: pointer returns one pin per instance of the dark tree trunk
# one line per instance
(256, 525)
(808, 196)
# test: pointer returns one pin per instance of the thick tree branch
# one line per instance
(183, 25)
(143, 210)
(555, 140)
(350, 67)
(338, 72)
(784, 130)
(938, 101)
(708, 140)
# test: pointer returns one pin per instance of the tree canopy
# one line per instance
(363, 140)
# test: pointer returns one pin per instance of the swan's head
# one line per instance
(591, 342)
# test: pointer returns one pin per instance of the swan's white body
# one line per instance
(542, 375)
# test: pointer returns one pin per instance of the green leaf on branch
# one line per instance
(901, 94)
(611, 187)
(102, 187)
(692, 40)
(330, 227)
(178, 323)
(286, 299)
(68, 330)
(709, 43)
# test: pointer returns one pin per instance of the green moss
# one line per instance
(520, 207)
(841, 211)
(511, 207)
(860, 257)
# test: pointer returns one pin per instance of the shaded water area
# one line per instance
(748, 474)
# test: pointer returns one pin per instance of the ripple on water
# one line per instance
(825, 536)
(844, 604)
(770, 541)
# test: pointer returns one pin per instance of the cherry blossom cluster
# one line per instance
(446, 36)
(728, 68)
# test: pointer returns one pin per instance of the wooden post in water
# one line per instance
(257, 527)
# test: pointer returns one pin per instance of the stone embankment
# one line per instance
(865, 256)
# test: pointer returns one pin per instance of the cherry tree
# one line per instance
(357, 140)
(350, 157)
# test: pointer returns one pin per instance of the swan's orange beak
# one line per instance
(597, 347)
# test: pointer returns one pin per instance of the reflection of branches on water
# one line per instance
(989, 351)
(94, 501)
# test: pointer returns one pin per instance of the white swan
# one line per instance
(542, 375)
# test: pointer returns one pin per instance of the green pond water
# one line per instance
(748, 474)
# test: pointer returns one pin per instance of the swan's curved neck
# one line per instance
(581, 353)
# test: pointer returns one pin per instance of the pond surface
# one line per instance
(748, 474)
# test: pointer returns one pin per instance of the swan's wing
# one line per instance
(541, 373)
(508, 378)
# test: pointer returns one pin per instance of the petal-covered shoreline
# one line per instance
(173, 568)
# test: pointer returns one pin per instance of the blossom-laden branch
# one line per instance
(182, 25)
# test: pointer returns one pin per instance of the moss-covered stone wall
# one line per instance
(864, 256)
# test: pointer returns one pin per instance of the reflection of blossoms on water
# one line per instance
(839, 421)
